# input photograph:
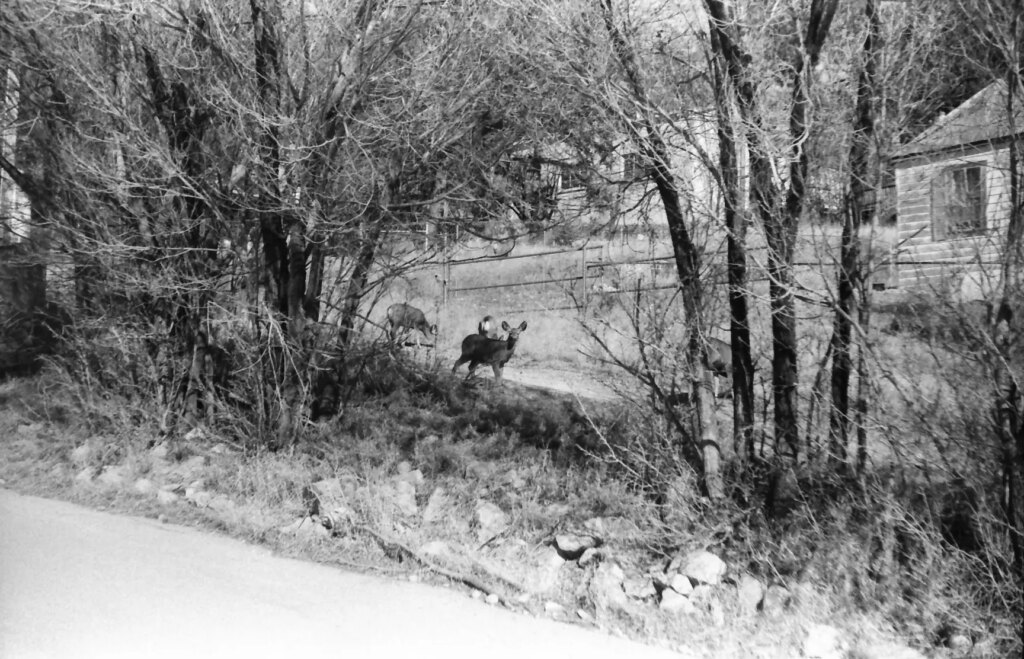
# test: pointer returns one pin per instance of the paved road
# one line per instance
(78, 583)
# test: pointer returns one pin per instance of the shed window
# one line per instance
(958, 202)
(573, 176)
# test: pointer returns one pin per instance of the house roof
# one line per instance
(981, 118)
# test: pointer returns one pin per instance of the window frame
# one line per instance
(951, 220)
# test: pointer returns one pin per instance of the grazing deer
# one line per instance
(487, 327)
(479, 349)
(403, 318)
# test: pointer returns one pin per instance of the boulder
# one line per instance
(704, 567)
(572, 546)
(437, 506)
(776, 600)
(673, 602)
(405, 498)
(681, 584)
(166, 497)
(545, 569)
(144, 486)
(589, 556)
(81, 455)
(112, 476)
(491, 521)
(85, 476)
(824, 642)
(639, 587)
(606, 588)
(749, 594)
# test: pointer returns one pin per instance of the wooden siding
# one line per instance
(927, 262)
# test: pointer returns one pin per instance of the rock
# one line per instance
(201, 498)
(112, 476)
(436, 507)
(491, 521)
(887, 651)
(166, 497)
(571, 547)
(81, 455)
(960, 643)
(160, 451)
(553, 608)
(221, 503)
(195, 435)
(824, 642)
(403, 467)
(144, 486)
(606, 588)
(29, 429)
(639, 588)
(492, 599)
(704, 567)
(515, 480)
(681, 584)
(545, 569)
(554, 511)
(405, 498)
(220, 448)
(749, 594)
(704, 595)
(324, 495)
(414, 477)
(85, 476)
(673, 602)
(776, 600)
(589, 556)
(611, 529)
(438, 550)
(305, 527)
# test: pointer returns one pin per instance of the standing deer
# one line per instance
(404, 318)
(479, 349)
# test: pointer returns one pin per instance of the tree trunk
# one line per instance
(687, 257)
(850, 271)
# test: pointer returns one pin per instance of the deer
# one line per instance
(480, 349)
(404, 318)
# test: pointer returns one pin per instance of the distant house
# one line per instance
(953, 197)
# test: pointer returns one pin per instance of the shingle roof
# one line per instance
(981, 118)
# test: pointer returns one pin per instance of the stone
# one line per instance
(221, 503)
(776, 600)
(195, 435)
(438, 550)
(29, 429)
(405, 498)
(403, 467)
(681, 584)
(492, 599)
(639, 588)
(166, 497)
(414, 477)
(144, 486)
(887, 651)
(305, 527)
(324, 495)
(960, 643)
(749, 594)
(606, 588)
(201, 498)
(85, 476)
(112, 476)
(436, 507)
(491, 521)
(704, 567)
(545, 569)
(589, 556)
(81, 455)
(824, 642)
(160, 451)
(611, 529)
(673, 602)
(553, 608)
(571, 546)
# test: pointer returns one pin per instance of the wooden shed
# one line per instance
(953, 197)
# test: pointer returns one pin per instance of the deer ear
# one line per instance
(522, 328)
(504, 326)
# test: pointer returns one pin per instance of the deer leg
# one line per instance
(459, 362)
(497, 373)
(472, 367)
